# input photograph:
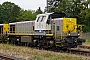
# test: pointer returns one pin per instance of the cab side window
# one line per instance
(48, 20)
(57, 28)
(41, 18)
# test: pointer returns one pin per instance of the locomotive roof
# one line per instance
(58, 19)
(45, 14)
(1, 24)
(12, 23)
(24, 22)
(54, 15)
(20, 22)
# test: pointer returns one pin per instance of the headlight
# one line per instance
(78, 34)
(17, 39)
(69, 34)
(7, 38)
(75, 41)
(39, 30)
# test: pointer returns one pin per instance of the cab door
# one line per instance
(57, 29)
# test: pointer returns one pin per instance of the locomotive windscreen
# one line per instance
(58, 15)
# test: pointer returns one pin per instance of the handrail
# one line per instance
(80, 30)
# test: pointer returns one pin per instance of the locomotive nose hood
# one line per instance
(69, 24)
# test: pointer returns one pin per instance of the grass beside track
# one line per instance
(28, 53)
(87, 42)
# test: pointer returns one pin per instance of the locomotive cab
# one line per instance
(42, 24)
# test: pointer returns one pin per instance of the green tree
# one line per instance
(9, 12)
(87, 24)
(20, 16)
(26, 15)
(0, 14)
(62, 6)
(38, 11)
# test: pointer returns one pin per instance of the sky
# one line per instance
(28, 4)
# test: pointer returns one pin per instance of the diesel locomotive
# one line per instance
(48, 30)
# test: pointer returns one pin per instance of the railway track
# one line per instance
(85, 47)
(79, 52)
(5, 57)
